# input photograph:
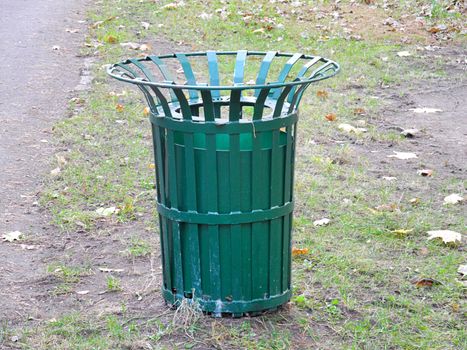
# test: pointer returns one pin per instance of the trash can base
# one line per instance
(235, 308)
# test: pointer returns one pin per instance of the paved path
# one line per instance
(35, 85)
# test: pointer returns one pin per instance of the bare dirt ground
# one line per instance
(36, 83)
(40, 69)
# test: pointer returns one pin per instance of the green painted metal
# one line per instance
(224, 182)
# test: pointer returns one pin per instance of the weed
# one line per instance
(113, 284)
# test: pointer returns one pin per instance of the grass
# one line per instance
(353, 290)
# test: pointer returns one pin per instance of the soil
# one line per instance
(36, 84)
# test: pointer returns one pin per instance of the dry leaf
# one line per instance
(330, 117)
(389, 178)
(28, 246)
(401, 232)
(446, 235)
(386, 207)
(119, 107)
(130, 45)
(424, 282)
(106, 269)
(359, 111)
(410, 132)
(349, 128)
(146, 111)
(110, 39)
(321, 222)
(107, 211)
(173, 5)
(145, 47)
(322, 94)
(12, 236)
(404, 54)
(403, 155)
(299, 251)
(55, 172)
(425, 110)
(453, 199)
(152, 166)
(425, 172)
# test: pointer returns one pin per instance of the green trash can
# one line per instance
(224, 155)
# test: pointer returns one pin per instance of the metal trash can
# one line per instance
(224, 155)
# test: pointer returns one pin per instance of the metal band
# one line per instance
(226, 128)
(233, 218)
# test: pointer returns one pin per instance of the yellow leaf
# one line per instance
(146, 111)
(322, 94)
(401, 231)
(110, 39)
(119, 107)
(299, 251)
(152, 166)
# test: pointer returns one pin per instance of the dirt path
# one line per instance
(40, 67)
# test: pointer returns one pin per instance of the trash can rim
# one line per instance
(113, 72)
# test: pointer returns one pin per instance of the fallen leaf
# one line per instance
(453, 199)
(55, 172)
(424, 251)
(119, 107)
(28, 246)
(349, 128)
(424, 282)
(61, 160)
(403, 155)
(145, 47)
(404, 54)
(106, 269)
(447, 236)
(462, 270)
(110, 39)
(99, 23)
(425, 110)
(299, 251)
(130, 45)
(425, 172)
(14, 338)
(322, 94)
(401, 232)
(410, 132)
(12, 236)
(173, 5)
(321, 222)
(438, 28)
(82, 292)
(146, 111)
(359, 111)
(386, 207)
(107, 211)
(330, 117)
(389, 178)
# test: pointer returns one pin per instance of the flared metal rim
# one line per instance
(329, 65)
